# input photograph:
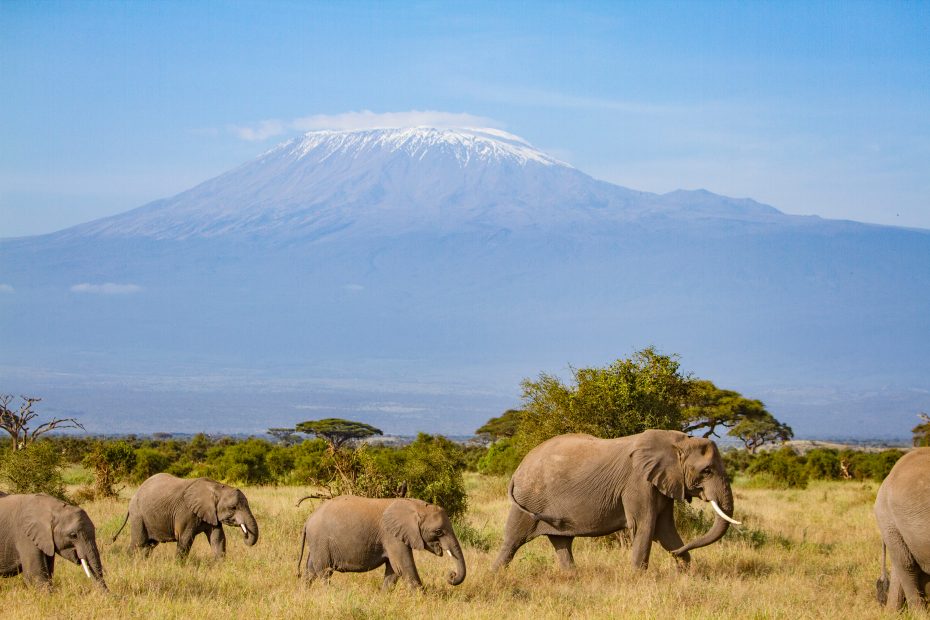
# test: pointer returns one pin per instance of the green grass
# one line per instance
(811, 553)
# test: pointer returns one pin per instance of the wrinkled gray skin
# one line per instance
(579, 485)
(358, 534)
(33, 528)
(168, 509)
(902, 510)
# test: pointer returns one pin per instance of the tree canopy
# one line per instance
(505, 425)
(921, 432)
(708, 407)
(337, 431)
(756, 431)
(17, 422)
(629, 396)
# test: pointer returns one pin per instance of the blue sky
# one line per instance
(817, 108)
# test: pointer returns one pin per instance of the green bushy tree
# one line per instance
(36, 468)
(149, 462)
(112, 462)
(629, 396)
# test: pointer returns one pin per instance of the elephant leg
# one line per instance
(895, 594)
(185, 541)
(37, 569)
(139, 536)
(400, 558)
(643, 533)
(904, 570)
(517, 532)
(390, 577)
(667, 535)
(218, 542)
(563, 551)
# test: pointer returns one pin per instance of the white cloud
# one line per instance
(6, 288)
(353, 288)
(364, 119)
(108, 288)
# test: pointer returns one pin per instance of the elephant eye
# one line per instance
(438, 532)
(72, 535)
(707, 471)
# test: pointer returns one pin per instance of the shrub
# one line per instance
(823, 464)
(242, 463)
(149, 462)
(501, 459)
(111, 462)
(784, 467)
(36, 468)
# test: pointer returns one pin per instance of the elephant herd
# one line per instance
(568, 486)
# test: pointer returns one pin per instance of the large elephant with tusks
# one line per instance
(579, 485)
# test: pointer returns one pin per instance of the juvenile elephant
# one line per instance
(33, 528)
(579, 485)
(167, 509)
(358, 534)
(902, 510)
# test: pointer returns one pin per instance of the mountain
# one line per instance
(412, 277)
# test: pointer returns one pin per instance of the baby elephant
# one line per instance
(166, 508)
(33, 528)
(358, 534)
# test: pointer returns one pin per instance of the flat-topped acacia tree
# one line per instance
(337, 431)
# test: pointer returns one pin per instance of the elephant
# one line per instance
(166, 509)
(580, 485)
(902, 509)
(33, 528)
(358, 534)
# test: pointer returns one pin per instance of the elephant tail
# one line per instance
(303, 541)
(113, 540)
(314, 496)
(881, 585)
(556, 522)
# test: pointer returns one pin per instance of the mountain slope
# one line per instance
(412, 277)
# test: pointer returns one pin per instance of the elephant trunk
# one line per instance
(91, 561)
(247, 522)
(719, 492)
(454, 550)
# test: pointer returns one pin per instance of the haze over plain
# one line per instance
(822, 320)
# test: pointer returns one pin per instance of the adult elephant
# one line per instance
(168, 509)
(34, 528)
(579, 485)
(358, 534)
(902, 509)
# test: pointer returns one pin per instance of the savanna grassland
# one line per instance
(811, 553)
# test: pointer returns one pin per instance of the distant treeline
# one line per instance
(787, 468)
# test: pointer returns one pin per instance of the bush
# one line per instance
(36, 468)
(501, 459)
(784, 469)
(111, 462)
(823, 464)
(149, 462)
(240, 463)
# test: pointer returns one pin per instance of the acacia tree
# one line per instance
(757, 431)
(284, 436)
(504, 426)
(16, 422)
(337, 431)
(922, 431)
(708, 407)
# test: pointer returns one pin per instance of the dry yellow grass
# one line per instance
(820, 560)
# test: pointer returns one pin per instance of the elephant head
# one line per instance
(425, 526)
(682, 467)
(57, 527)
(218, 503)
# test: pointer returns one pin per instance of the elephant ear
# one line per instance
(657, 456)
(37, 523)
(402, 520)
(200, 497)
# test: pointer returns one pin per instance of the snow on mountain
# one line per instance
(327, 182)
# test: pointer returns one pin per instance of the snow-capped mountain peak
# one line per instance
(464, 144)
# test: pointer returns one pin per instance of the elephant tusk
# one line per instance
(244, 530)
(449, 551)
(723, 515)
(86, 569)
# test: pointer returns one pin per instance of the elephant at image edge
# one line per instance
(359, 534)
(167, 509)
(902, 509)
(33, 528)
(579, 485)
